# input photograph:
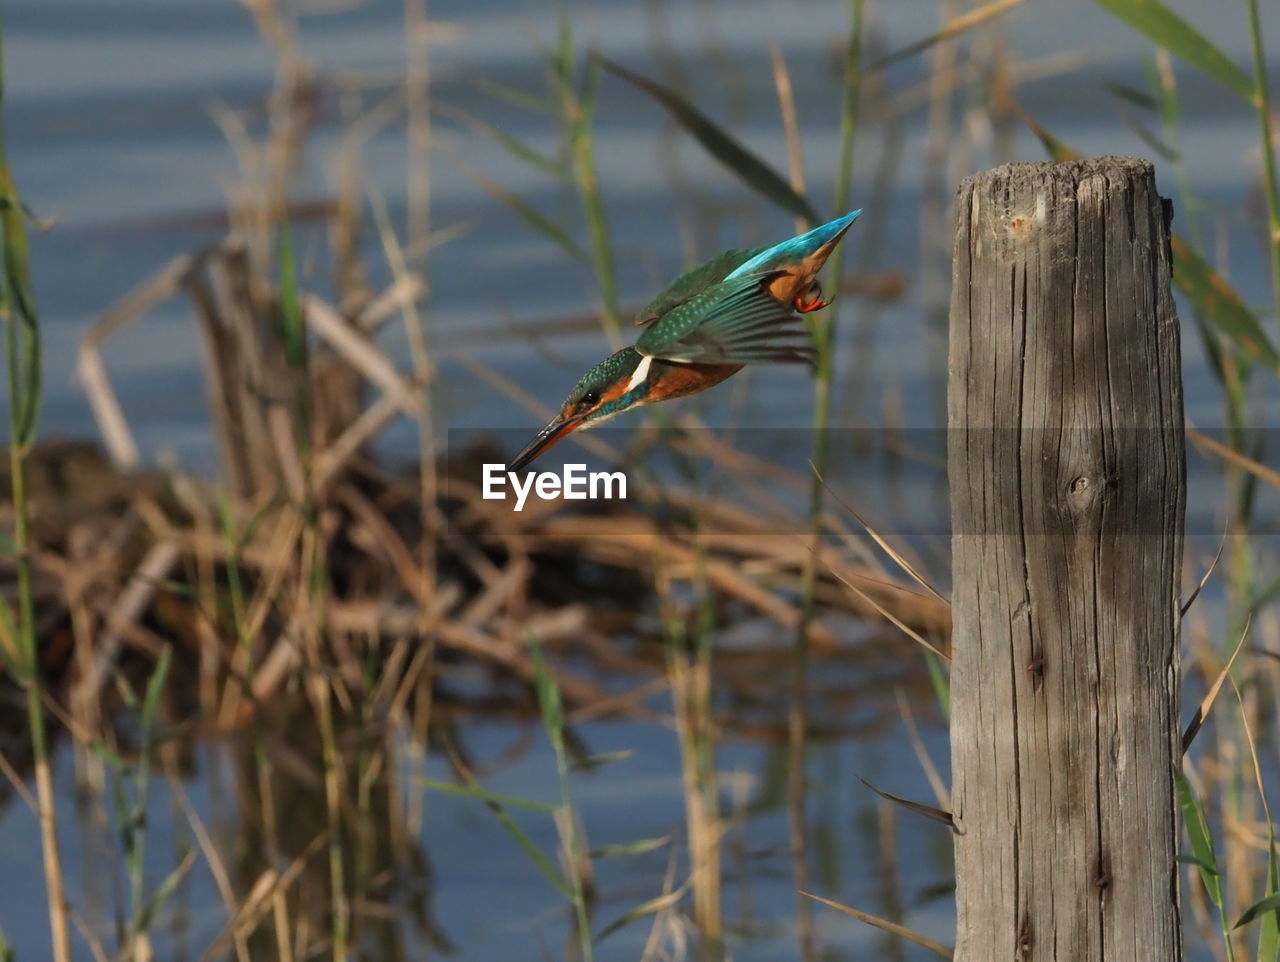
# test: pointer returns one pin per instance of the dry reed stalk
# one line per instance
(703, 442)
(347, 172)
(391, 673)
(862, 345)
(576, 691)
(202, 566)
(688, 677)
(953, 24)
(486, 606)
(273, 670)
(337, 456)
(935, 203)
(414, 325)
(419, 677)
(885, 925)
(252, 909)
(112, 423)
(89, 770)
(221, 390)
(281, 545)
(727, 579)
(280, 426)
(382, 618)
(790, 127)
(210, 851)
(19, 783)
(417, 92)
(1256, 468)
(362, 354)
(627, 704)
(626, 542)
(291, 109)
(243, 358)
(321, 690)
(668, 925)
(138, 592)
(389, 303)
(940, 793)
(387, 542)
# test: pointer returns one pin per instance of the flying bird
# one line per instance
(741, 307)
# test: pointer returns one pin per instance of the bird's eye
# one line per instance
(588, 399)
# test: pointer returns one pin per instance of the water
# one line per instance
(110, 132)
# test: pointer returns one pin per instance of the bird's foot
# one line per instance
(810, 300)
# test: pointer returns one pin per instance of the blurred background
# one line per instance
(301, 266)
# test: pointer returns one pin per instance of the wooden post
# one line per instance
(1067, 483)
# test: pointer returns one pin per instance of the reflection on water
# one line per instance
(255, 802)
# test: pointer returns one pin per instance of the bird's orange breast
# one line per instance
(670, 379)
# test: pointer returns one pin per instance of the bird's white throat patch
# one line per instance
(640, 373)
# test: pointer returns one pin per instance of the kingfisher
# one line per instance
(741, 307)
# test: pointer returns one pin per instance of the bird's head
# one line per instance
(619, 382)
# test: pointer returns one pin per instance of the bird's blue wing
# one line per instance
(693, 282)
(734, 322)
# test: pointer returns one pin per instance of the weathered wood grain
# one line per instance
(1067, 484)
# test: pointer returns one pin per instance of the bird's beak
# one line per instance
(558, 427)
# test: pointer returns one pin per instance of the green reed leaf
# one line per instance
(516, 97)
(562, 56)
(20, 304)
(549, 703)
(1139, 98)
(1058, 150)
(155, 687)
(1210, 293)
(522, 151)
(528, 213)
(592, 762)
(748, 167)
(1269, 930)
(1202, 854)
(1269, 904)
(165, 891)
(497, 804)
(651, 907)
(1186, 858)
(590, 94)
(517, 148)
(13, 654)
(468, 791)
(638, 847)
(1166, 28)
(295, 338)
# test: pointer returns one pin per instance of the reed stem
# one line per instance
(17, 306)
(46, 810)
(588, 185)
(1263, 108)
(825, 338)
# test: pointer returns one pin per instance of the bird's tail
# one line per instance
(828, 232)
